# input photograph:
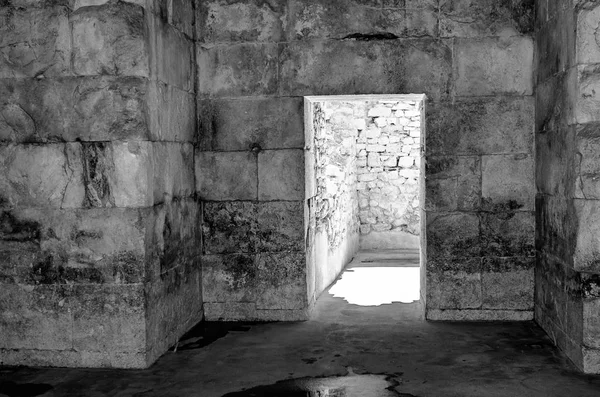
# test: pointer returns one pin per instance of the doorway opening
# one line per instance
(365, 197)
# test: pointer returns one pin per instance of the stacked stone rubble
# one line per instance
(389, 151)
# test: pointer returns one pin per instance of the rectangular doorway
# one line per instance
(364, 158)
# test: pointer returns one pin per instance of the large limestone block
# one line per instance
(172, 113)
(507, 283)
(361, 67)
(492, 66)
(69, 109)
(451, 235)
(35, 317)
(171, 55)
(584, 90)
(507, 182)
(41, 176)
(314, 19)
(242, 69)
(481, 126)
(281, 174)
(556, 226)
(227, 21)
(270, 280)
(556, 45)
(453, 183)
(132, 173)
(240, 124)
(476, 18)
(588, 47)
(110, 39)
(173, 171)
(454, 284)
(92, 246)
(587, 162)
(507, 234)
(224, 176)
(587, 248)
(247, 227)
(34, 42)
(108, 318)
(183, 16)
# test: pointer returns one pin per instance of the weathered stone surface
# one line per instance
(584, 90)
(493, 66)
(283, 281)
(173, 171)
(35, 42)
(281, 226)
(241, 124)
(274, 281)
(587, 249)
(452, 235)
(281, 174)
(311, 19)
(108, 318)
(171, 113)
(226, 21)
(360, 67)
(110, 39)
(69, 109)
(454, 290)
(507, 234)
(243, 69)
(230, 227)
(35, 317)
(472, 18)
(479, 315)
(588, 49)
(95, 246)
(171, 55)
(481, 126)
(507, 182)
(183, 17)
(42, 176)
(222, 176)
(507, 283)
(132, 174)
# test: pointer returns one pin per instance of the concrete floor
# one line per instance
(397, 353)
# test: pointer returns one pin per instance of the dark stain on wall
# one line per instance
(13, 229)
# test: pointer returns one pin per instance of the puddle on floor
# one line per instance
(12, 389)
(337, 386)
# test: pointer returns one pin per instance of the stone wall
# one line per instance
(568, 211)
(473, 60)
(331, 191)
(389, 154)
(98, 221)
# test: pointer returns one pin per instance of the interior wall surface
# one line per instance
(98, 220)
(389, 157)
(472, 59)
(567, 145)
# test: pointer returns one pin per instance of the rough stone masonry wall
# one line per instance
(472, 58)
(98, 265)
(389, 152)
(568, 207)
(331, 195)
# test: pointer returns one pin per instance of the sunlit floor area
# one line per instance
(376, 278)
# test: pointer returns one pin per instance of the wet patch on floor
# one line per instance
(207, 332)
(366, 385)
(12, 389)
